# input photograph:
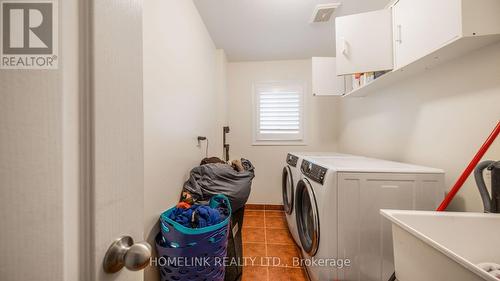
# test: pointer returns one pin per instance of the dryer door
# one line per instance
(307, 217)
(287, 186)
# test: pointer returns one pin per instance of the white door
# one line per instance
(116, 130)
(364, 42)
(325, 81)
(71, 148)
(420, 27)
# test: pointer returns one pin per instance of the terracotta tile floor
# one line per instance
(269, 248)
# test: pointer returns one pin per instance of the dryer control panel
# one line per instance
(292, 160)
(313, 171)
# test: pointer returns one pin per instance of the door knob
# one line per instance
(125, 253)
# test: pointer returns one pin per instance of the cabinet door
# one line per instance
(325, 81)
(364, 42)
(364, 236)
(421, 27)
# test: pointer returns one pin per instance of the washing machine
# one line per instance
(290, 177)
(342, 234)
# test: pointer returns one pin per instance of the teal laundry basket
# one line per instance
(193, 254)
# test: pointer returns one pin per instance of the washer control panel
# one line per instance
(292, 160)
(313, 171)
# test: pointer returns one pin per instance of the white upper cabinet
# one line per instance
(425, 27)
(364, 42)
(423, 34)
(421, 27)
(325, 81)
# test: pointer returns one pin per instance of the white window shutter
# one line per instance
(279, 111)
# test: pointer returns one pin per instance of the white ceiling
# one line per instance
(250, 30)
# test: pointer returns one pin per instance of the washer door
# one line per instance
(287, 186)
(307, 217)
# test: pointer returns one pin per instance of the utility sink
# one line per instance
(444, 246)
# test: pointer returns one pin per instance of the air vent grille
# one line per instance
(324, 12)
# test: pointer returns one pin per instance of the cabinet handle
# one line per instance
(344, 46)
(398, 34)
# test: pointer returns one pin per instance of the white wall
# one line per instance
(439, 119)
(221, 96)
(182, 89)
(269, 160)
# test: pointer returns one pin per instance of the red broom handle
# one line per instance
(466, 173)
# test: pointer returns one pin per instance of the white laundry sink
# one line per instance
(444, 246)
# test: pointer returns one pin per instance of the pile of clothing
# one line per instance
(211, 178)
(198, 216)
(214, 176)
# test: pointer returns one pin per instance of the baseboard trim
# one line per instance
(264, 207)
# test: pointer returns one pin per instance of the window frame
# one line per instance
(279, 139)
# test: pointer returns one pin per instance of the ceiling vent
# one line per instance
(324, 12)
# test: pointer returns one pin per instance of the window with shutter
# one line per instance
(279, 111)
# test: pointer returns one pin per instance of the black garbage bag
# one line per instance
(220, 178)
(214, 176)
